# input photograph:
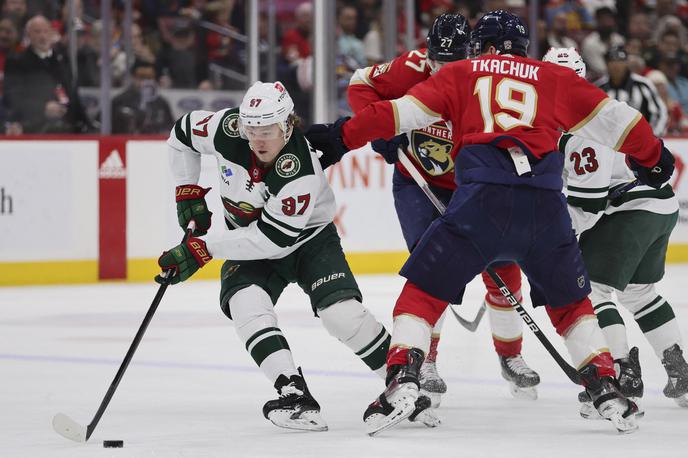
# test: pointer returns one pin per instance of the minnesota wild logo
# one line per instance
(241, 212)
(230, 125)
(432, 150)
(287, 165)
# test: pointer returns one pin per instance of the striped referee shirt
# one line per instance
(641, 94)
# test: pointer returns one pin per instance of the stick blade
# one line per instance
(66, 427)
(470, 325)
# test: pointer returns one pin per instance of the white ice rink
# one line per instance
(193, 391)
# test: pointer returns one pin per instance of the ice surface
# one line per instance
(193, 391)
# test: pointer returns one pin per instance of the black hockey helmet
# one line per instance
(448, 38)
(503, 30)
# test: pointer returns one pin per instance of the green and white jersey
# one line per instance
(270, 211)
(592, 171)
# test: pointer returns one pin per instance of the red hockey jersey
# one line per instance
(431, 147)
(509, 100)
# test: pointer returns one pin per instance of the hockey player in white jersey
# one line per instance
(278, 208)
(623, 238)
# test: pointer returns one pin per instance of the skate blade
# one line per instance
(309, 420)
(528, 393)
(682, 401)
(379, 423)
(623, 425)
(428, 417)
(589, 412)
(435, 398)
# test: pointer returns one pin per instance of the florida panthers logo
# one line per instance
(432, 148)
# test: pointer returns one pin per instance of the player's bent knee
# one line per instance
(351, 323)
(637, 296)
(600, 293)
(251, 310)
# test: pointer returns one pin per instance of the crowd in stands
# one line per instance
(197, 44)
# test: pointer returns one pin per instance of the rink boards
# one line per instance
(76, 211)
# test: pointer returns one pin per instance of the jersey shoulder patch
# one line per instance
(295, 161)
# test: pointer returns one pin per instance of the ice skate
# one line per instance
(608, 400)
(522, 379)
(431, 384)
(630, 385)
(677, 370)
(295, 408)
(398, 401)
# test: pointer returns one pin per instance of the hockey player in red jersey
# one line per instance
(506, 112)
(431, 149)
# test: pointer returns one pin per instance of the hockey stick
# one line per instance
(618, 192)
(569, 370)
(65, 426)
(470, 325)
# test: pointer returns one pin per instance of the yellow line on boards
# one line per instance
(48, 272)
(141, 270)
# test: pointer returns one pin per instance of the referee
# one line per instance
(639, 92)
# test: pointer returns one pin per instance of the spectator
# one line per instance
(669, 44)
(673, 24)
(558, 33)
(577, 17)
(179, 64)
(677, 86)
(597, 43)
(637, 91)
(140, 109)
(639, 27)
(9, 42)
(676, 118)
(636, 61)
(224, 50)
(372, 43)
(367, 13)
(15, 10)
(347, 43)
(664, 8)
(40, 92)
(88, 57)
(296, 42)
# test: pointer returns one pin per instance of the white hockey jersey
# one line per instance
(592, 172)
(269, 212)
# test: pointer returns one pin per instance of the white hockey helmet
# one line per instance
(265, 104)
(567, 57)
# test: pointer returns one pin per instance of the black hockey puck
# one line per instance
(113, 444)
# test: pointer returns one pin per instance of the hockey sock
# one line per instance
(506, 324)
(256, 324)
(609, 319)
(654, 316)
(415, 314)
(435, 339)
(356, 327)
(584, 340)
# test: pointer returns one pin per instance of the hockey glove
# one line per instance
(388, 148)
(191, 205)
(328, 139)
(657, 175)
(183, 260)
